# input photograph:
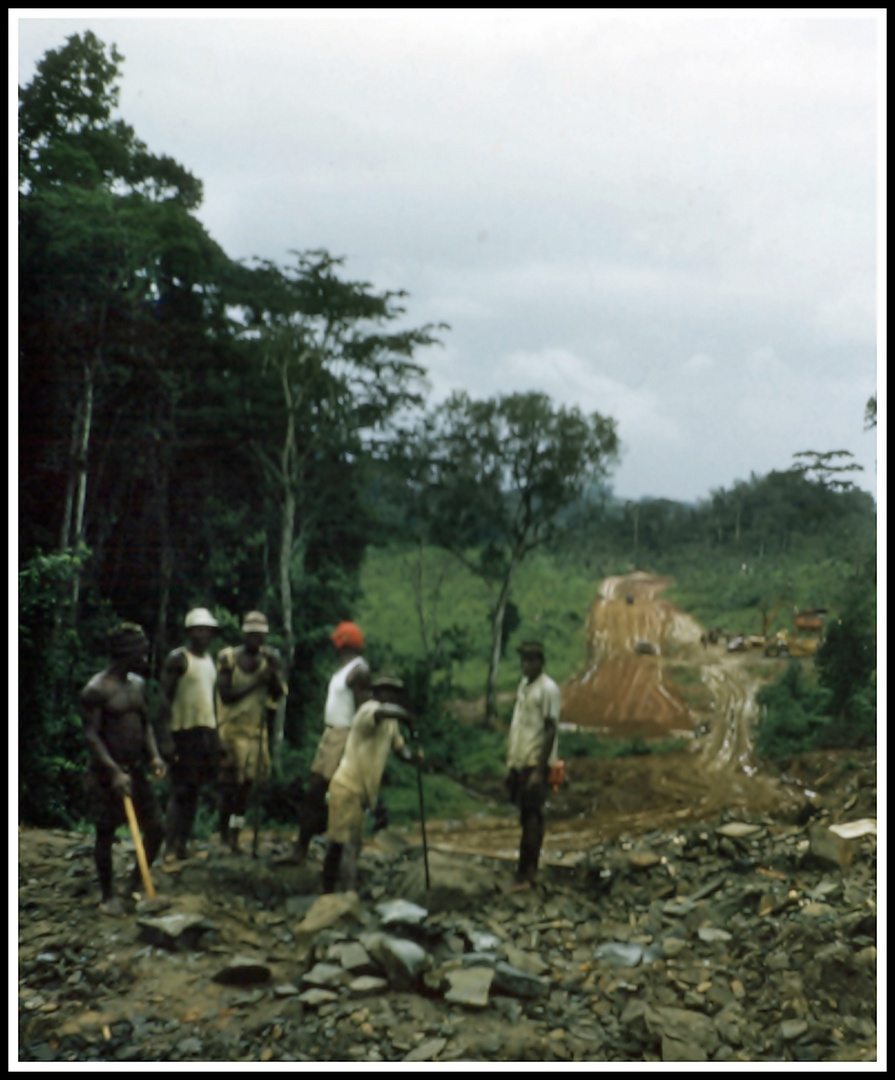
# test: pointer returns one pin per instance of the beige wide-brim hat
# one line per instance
(387, 679)
(255, 623)
(200, 616)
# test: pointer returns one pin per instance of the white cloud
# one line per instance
(697, 363)
(602, 206)
(573, 381)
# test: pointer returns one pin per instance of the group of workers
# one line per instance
(213, 721)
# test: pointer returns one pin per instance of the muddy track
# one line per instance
(624, 693)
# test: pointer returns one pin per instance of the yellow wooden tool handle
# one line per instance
(138, 844)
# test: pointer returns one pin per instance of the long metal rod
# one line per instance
(258, 786)
(419, 784)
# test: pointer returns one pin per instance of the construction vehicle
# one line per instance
(808, 620)
(785, 645)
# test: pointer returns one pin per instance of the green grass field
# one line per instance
(552, 598)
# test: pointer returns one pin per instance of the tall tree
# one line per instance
(335, 376)
(494, 478)
(110, 259)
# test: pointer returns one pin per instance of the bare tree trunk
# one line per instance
(166, 567)
(82, 468)
(65, 531)
(496, 640)
(286, 544)
(90, 369)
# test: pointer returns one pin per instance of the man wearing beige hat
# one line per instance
(188, 728)
(355, 784)
(249, 685)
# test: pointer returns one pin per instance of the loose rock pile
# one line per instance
(742, 940)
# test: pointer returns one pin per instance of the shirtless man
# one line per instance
(121, 742)
(355, 784)
(348, 689)
(249, 685)
(186, 718)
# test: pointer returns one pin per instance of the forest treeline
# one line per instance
(200, 431)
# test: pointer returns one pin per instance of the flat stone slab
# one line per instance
(738, 829)
(852, 830)
(367, 984)
(174, 931)
(400, 911)
(403, 961)
(619, 953)
(426, 1051)
(325, 975)
(512, 981)
(530, 963)
(316, 997)
(711, 933)
(792, 1029)
(680, 905)
(327, 911)
(469, 986)
(831, 847)
(482, 940)
(350, 955)
(643, 860)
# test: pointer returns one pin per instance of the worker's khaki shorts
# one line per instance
(346, 816)
(329, 751)
(241, 762)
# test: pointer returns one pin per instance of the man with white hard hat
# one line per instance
(249, 684)
(187, 720)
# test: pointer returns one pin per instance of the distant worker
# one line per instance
(249, 685)
(186, 717)
(348, 689)
(355, 784)
(118, 732)
(531, 750)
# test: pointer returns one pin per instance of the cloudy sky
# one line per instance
(671, 220)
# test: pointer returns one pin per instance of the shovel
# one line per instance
(138, 845)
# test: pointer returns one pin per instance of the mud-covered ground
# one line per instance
(691, 907)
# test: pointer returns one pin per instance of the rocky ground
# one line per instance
(745, 938)
(691, 907)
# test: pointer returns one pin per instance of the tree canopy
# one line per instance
(494, 476)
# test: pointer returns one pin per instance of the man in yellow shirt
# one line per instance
(531, 751)
(355, 783)
(249, 685)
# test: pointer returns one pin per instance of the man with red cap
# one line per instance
(348, 689)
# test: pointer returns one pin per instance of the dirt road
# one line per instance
(624, 693)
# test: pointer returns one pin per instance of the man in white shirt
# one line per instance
(348, 689)
(531, 751)
(355, 784)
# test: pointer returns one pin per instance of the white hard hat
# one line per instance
(199, 616)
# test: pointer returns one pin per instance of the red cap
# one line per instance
(347, 635)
